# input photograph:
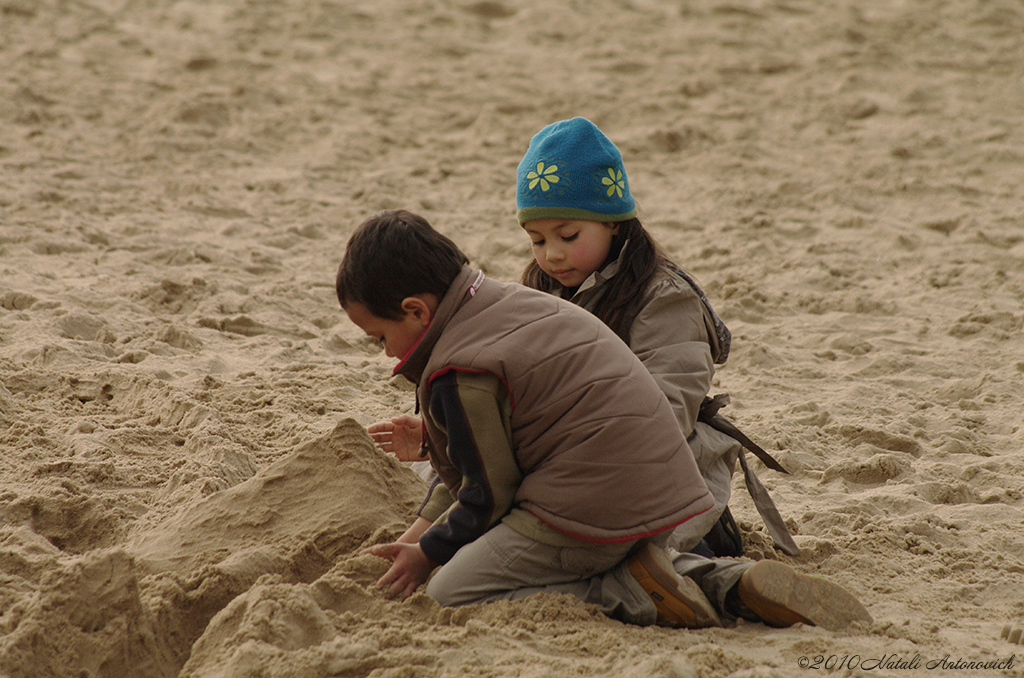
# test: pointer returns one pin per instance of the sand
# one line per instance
(185, 481)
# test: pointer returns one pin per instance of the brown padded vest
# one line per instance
(600, 451)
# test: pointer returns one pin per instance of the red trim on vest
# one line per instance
(409, 352)
(617, 540)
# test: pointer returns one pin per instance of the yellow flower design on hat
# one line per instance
(614, 182)
(545, 176)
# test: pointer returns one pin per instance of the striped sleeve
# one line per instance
(473, 409)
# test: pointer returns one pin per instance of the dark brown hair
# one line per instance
(627, 288)
(394, 255)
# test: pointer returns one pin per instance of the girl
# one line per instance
(574, 202)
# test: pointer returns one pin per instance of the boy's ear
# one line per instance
(421, 307)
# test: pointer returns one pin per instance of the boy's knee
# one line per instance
(438, 591)
(445, 589)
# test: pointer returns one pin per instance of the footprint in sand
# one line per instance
(1012, 634)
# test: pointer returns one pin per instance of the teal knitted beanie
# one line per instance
(572, 171)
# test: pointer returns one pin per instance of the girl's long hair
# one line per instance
(627, 288)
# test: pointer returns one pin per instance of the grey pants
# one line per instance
(714, 576)
(505, 565)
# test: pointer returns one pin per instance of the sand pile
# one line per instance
(136, 609)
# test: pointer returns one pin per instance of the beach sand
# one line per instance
(185, 480)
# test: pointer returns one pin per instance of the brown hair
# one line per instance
(394, 255)
(626, 290)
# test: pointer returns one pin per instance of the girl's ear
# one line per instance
(614, 226)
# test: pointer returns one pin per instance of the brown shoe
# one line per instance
(679, 600)
(781, 596)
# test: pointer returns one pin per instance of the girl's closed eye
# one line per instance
(570, 238)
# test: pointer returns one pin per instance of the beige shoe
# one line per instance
(781, 596)
(679, 600)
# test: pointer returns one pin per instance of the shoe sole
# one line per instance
(679, 600)
(781, 597)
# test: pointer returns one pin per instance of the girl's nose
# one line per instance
(555, 254)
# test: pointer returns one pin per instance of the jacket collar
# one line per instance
(462, 288)
(598, 278)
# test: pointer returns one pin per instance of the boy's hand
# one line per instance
(402, 437)
(410, 567)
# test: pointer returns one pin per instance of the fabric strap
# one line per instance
(769, 514)
(758, 492)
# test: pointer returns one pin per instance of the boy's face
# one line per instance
(397, 336)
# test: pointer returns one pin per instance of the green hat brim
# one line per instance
(526, 214)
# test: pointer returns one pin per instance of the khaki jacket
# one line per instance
(673, 334)
(594, 437)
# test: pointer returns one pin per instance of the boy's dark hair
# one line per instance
(394, 255)
(626, 290)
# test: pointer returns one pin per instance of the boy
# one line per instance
(560, 465)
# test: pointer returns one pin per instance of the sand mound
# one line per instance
(136, 610)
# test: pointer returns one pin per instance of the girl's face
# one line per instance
(569, 250)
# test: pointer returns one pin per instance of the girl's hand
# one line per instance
(402, 437)
(410, 567)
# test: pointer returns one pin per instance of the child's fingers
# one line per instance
(406, 420)
(394, 581)
(383, 440)
(388, 551)
(409, 590)
(380, 427)
(401, 586)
